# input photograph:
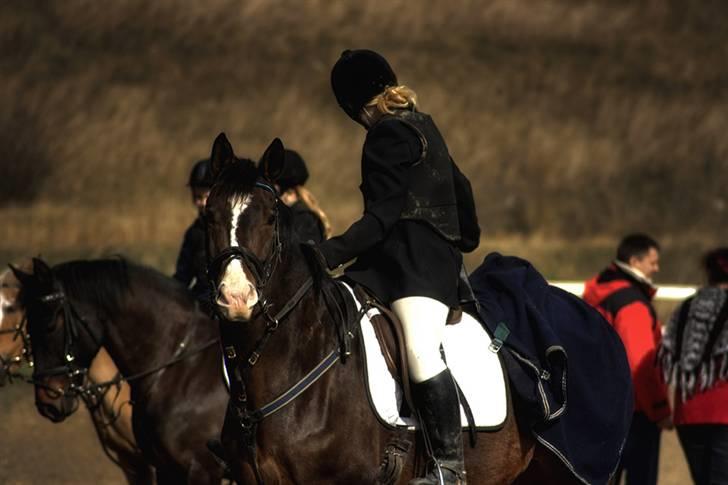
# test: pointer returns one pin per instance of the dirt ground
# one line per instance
(35, 451)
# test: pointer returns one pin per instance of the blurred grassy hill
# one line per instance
(576, 121)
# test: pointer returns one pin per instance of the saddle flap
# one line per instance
(388, 330)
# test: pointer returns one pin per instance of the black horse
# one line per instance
(298, 414)
(165, 347)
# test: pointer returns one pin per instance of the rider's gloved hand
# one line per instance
(311, 247)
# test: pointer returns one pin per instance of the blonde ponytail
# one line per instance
(394, 97)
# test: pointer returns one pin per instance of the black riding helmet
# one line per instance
(201, 174)
(293, 173)
(357, 77)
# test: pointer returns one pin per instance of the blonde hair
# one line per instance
(308, 198)
(394, 97)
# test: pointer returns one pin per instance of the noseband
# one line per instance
(262, 270)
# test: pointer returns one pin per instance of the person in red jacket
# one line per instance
(623, 294)
(694, 359)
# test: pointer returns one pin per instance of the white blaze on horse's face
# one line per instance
(236, 294)
(6, 301)
(3, 304)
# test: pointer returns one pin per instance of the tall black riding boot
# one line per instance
(437, 405)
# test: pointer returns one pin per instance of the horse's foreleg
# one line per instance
(203, 474)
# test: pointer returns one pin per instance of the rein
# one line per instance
(103, 387)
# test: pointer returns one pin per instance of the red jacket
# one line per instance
(626, 304)
(707, 407)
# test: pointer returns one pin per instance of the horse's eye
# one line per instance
(9, 309)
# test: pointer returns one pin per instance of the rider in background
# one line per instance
(191, 267)
(419, 215)
(309, 220)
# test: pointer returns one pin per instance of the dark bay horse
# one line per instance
(111, 411)
(271, 290)
(164, 346)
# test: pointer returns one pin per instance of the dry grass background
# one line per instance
(575, 120)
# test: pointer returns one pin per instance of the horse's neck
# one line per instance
(144, 336)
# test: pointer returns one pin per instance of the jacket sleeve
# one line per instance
(390, 149)
(634, 324)
(467, 217)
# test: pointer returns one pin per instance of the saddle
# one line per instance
(388, 329)
(390, 334)
(478, 373)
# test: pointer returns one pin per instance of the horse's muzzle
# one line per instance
(236, 305)
(50, 411)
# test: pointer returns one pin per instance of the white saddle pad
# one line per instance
(477, 371)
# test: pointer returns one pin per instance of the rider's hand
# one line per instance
(314, 248)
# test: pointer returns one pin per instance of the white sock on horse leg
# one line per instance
(423, 320)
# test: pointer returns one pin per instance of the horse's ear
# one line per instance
(222, 154)
(23, 278)
(42, 271)
(273, 160)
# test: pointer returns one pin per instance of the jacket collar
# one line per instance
(621, 271)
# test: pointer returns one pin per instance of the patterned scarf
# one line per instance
(694, 351)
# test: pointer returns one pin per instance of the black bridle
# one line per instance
(261, 269)
(72, 326)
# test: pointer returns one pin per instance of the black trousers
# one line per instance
(706, 449)
(641, 453)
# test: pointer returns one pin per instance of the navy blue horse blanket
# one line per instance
(566, 365)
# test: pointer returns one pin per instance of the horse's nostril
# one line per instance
(50, 412)
(222, 297)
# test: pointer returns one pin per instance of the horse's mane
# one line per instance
(102, 282)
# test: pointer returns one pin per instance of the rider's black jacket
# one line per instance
(191, 267)
(408, 244)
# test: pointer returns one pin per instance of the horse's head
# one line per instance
(243, 230)
(62, 342)
(12, 329)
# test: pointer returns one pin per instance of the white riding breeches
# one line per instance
(424, 322)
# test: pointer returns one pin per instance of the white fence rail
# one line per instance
(666, 292)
